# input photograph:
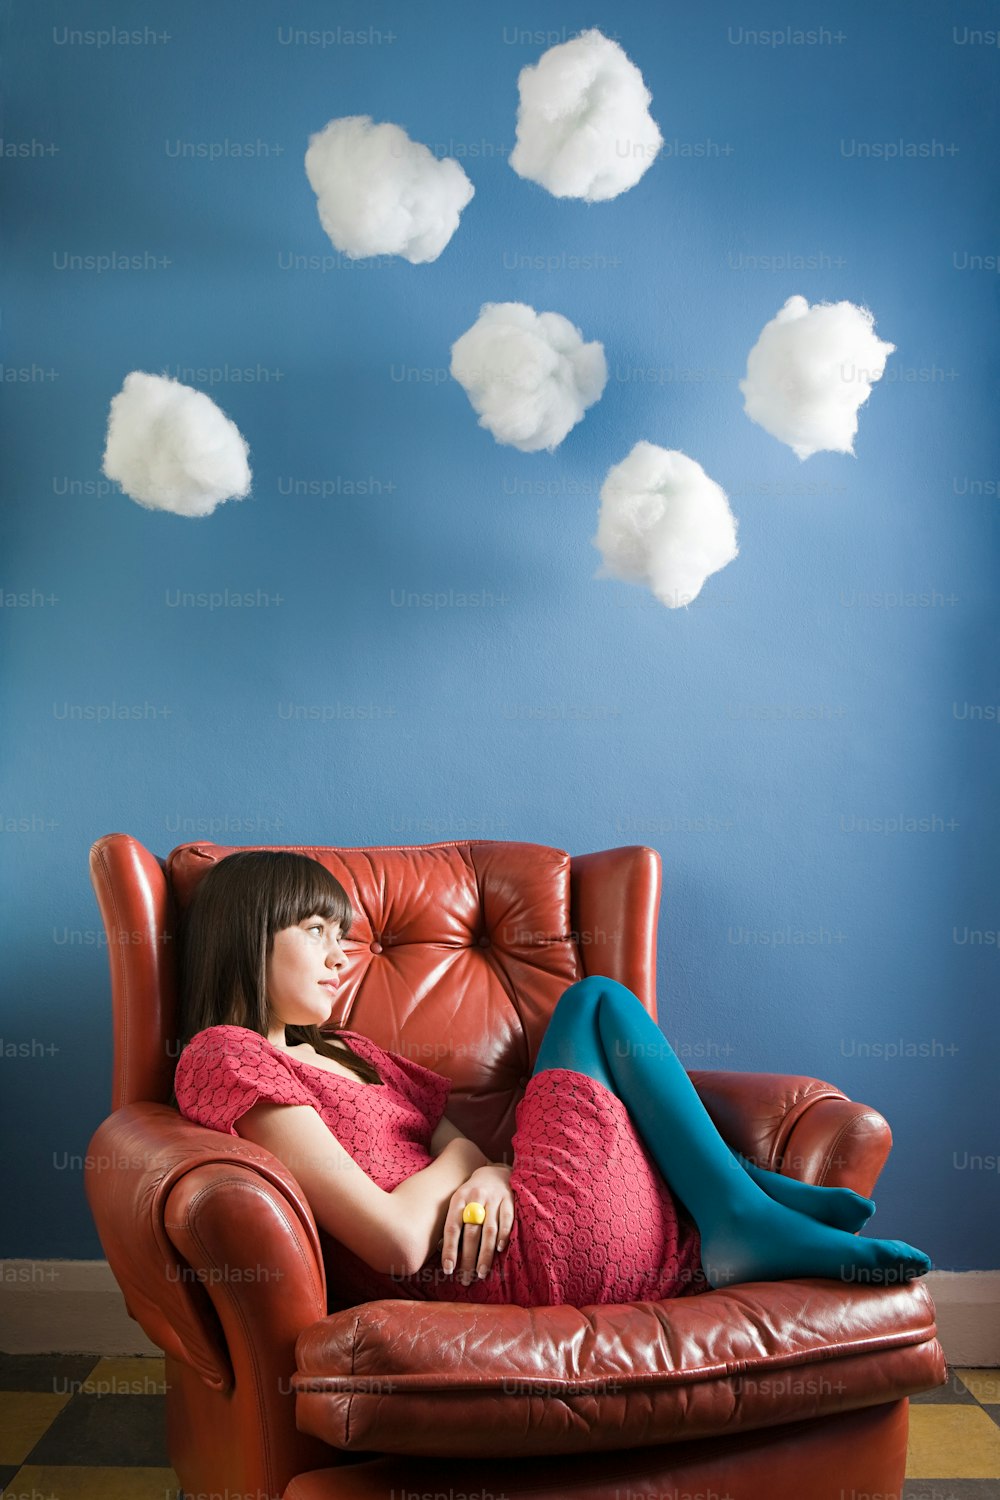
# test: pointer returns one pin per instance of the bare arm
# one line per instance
(446, 1132)
(346, 1202)
(422, 1200)
(393, 1232)
(497, 1229)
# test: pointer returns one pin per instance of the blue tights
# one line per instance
(755, 1225)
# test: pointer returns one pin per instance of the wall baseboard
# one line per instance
(75, 1307)
(968, 1316)
(66, 1307)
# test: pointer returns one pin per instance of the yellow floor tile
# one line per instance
(24, 1416)
(952, 1442)
(59, 1482)
(126, 1377)
(984, 1384)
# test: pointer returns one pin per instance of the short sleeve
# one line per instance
(422, 1086)
(225, 1070)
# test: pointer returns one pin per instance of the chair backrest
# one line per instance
(457, 956)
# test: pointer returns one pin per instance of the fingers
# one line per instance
(468, 1249)
(472, 1252)
(452, 1235)
(505, 1221)
(461, 1244)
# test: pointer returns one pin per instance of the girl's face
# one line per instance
(303, 972)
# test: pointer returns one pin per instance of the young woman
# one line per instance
(620, 1188)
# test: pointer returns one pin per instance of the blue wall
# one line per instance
(842, 669)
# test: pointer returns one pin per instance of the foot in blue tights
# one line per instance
(746, 1235)
(839, 1207)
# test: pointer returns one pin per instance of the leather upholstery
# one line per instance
(857, 1455)
(528, 1381)
(458, 953)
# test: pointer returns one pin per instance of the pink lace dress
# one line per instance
(594, 1219)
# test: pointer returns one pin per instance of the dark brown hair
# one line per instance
(227, 934)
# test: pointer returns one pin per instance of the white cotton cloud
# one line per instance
(529, 375)
(663, 523)
(379, 193)
(171, 448)
(810, 371)
(583, 126)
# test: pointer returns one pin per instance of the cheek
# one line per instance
(282, 968)
(297, 964)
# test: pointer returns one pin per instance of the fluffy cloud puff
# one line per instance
(171, 448)
(529, 375)
(379, 193)
(583, 126)
(810, 371)
(663, 523)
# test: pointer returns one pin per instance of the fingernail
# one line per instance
(481, 1275)
(449, 1265)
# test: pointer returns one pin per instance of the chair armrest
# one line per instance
(799, 1126)
(209, 1237)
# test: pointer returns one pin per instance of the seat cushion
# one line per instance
(452, 1379)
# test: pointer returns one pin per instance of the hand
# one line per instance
(489, 1186)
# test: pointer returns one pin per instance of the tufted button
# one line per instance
(484, 941)
(522, 1081)
(376, 947)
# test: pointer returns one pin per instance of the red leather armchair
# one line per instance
(278, 1387)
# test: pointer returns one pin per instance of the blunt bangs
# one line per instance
(304, 888)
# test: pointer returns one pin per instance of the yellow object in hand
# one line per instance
(473, 1213)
